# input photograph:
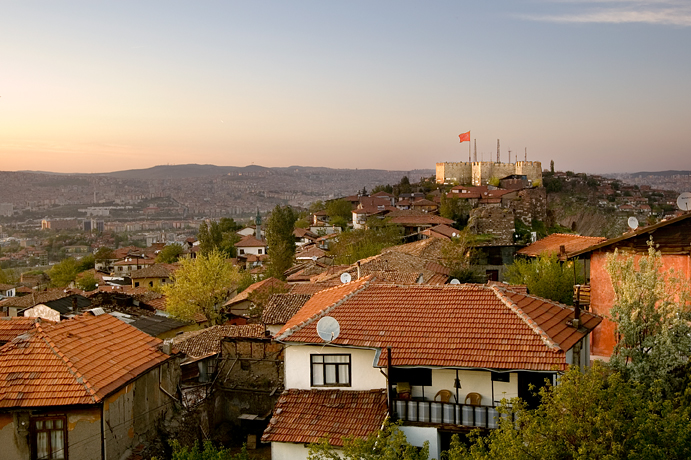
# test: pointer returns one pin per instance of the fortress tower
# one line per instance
(480, 172)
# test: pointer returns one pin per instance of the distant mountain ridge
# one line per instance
(668, 173)
(197, 170)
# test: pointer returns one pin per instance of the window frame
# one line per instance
(335, 365)
(33, 435)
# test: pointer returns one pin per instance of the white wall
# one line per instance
(363, 375)
(42, 311)
(252, 250)
(288, 451)
(417, 436)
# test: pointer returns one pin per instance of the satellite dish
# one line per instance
(454, 281)
(328, 329)
(633, 223)
(314, 258)
(345, 278)
(684, 201)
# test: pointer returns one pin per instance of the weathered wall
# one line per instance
(495, 221)
(530, 204)
(480, 172)
(133, 413)
(83, 433)
(603, 338)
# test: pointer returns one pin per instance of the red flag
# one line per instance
(464, 137)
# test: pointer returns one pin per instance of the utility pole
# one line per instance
(498, 159)
(475, 142)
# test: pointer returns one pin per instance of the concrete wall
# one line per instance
(417, 436)
(363, 375)
(43, 311)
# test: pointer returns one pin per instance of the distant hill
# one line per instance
(196, 170)
(660, 173)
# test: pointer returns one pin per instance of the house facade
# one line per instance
(82, 393)
(443, 356)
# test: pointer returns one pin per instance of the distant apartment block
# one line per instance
(59, 224)
(6, 209)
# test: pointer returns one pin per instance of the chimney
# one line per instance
(562, 252)
(358, 269)
(577, 308)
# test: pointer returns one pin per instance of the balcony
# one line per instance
(443, 413)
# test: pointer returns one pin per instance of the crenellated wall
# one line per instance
(480, 172)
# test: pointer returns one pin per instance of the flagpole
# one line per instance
(469, 160)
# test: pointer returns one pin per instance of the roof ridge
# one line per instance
(70, 366)
(326, 310)
(526, 319)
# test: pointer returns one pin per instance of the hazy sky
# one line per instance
(597, 86)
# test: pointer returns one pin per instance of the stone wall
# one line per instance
(495, 221)
(480, 172)
(530, 204)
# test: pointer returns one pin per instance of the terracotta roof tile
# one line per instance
(551, 244)
(262, 285)
(281, 307)
(250, 241)
(312, 288)
(77, 361)
(207, 342)
(473, 326)
(306, 416)
(12, 327)
(154, 271)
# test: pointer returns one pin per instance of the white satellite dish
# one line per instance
(345, 278)
(454, 281)
(328, 329)
(684, 201)
(633, 223)
(314, 258)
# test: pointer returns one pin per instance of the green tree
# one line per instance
(218, 236)
(170, 253)
(339, 212)
(546, 276)
(389, 443)
(104, 253)
(280, 240)
(354, 245)
(87, 262)
(63, 273)
(207, 452)
(551, 166)
(86, 281)
(455, 209)
(201, 285)
(651, 311)
(595, 414)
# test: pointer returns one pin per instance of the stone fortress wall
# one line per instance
(480, 172)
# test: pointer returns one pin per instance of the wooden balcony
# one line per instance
(441, 413)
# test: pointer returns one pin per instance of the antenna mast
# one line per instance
(498, 160)
(475, 142)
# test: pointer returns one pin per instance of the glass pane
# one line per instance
(317, 374)
(49, 424)
(336, 359)
(58, 423)
(57, 444)
(42, 445)
(39, 424)
(330, 374)
(343, 375)
(317, 359)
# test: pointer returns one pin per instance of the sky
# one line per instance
(596, 86)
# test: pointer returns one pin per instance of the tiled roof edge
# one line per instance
(323, 312)
(70, 366)
(526, 319)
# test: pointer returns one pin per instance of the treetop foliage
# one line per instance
(357, 244)
(201, 285)
(546, 276)
(170, 253)
(651, 309)
(280, 240)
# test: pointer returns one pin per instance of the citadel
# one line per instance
(481, 172)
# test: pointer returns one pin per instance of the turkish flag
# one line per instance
(464, 137)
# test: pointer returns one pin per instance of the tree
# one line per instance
(170, 253)
(651, 311)
(551, 166)
(201, 285)
(63, 273)
(546, 276)
(207, 452)
(104, 253)
(339, 212)
(218, 236)
(595, 414)
(86, 281)
(458, 255)
(389, 443)
(280, 240)
(455, 209)
(354, 245)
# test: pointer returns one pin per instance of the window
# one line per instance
(260, 251)
(242, 251)
(330, 370)
(48, 436)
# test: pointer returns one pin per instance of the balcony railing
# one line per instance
(440, 413)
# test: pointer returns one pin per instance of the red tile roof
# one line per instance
(306, 416)
(77, 361)
(12, 327)
(266, 284)
(473, 326)
(281, 307)
(206, 342)
(250, 241)
(551, 244)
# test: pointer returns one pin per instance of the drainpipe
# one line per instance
(103, 431)
(388, 378)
